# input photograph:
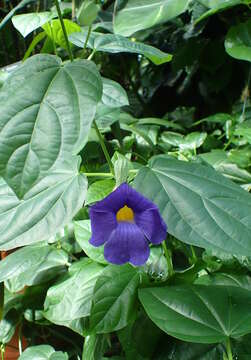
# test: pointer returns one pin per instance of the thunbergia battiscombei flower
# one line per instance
(126, 222)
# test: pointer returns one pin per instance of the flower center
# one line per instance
(125, 214)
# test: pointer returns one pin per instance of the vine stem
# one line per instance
(229, 350)
(105, 151)
(168, 259)
(64, 30)
(87, 37)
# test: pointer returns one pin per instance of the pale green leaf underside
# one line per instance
(202, 314)
(116, 44)
(50, 205)
(199, 205)
(42, 352)
(46, 112)
(26, 23)
(135, 15)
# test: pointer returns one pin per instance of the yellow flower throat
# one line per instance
(125, 214)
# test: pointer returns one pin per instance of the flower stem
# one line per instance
(64, 30)
(229, 350)
(168, 259)
(105, 151)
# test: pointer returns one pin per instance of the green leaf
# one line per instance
(26, 23)
(113, 94)
(55, 32)
(116, 44)
(189, 142)
(99, 190)
(221, 279)
(68, 302)
(238, 41)
(106, 115)
(87, 13)
(42, 352)
(202, 314)
(32, 265)
(134, 15)
(47, 110)
(45, 209)
(215, 6)
(199, 205)
(114, 298)
(83, 235)
(244, 130)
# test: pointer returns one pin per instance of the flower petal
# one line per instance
(102, 225)
(152, 225)
(127, 244)
(137, 201)
(114, 201)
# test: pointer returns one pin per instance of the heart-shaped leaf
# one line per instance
(45, 209)
(199, 205)
(238, 41)
(46, 112)
(198, 313)
(26, 23)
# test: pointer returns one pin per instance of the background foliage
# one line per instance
(153, 92)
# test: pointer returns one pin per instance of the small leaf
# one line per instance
(116, 44)
(83, 235)
(42, 352)
(135, 15)
(114, 298)
(113, 94)
(26, 23)
(202, 314)
(87, 12)
(238, 41)
(55, 32)
(99, 190)
(68, 302)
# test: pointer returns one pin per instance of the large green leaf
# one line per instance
(45, 209)
(198, 313)
(83, 234)
(114, 298)
(26, 23)
(116, 44)
(199, 205)
(238, 41)
(69, 301)
(215, 6)
(42, 352)
(134, 15)
(32, 265)
(46, 113)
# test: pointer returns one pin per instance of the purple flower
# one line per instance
(125, 221)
